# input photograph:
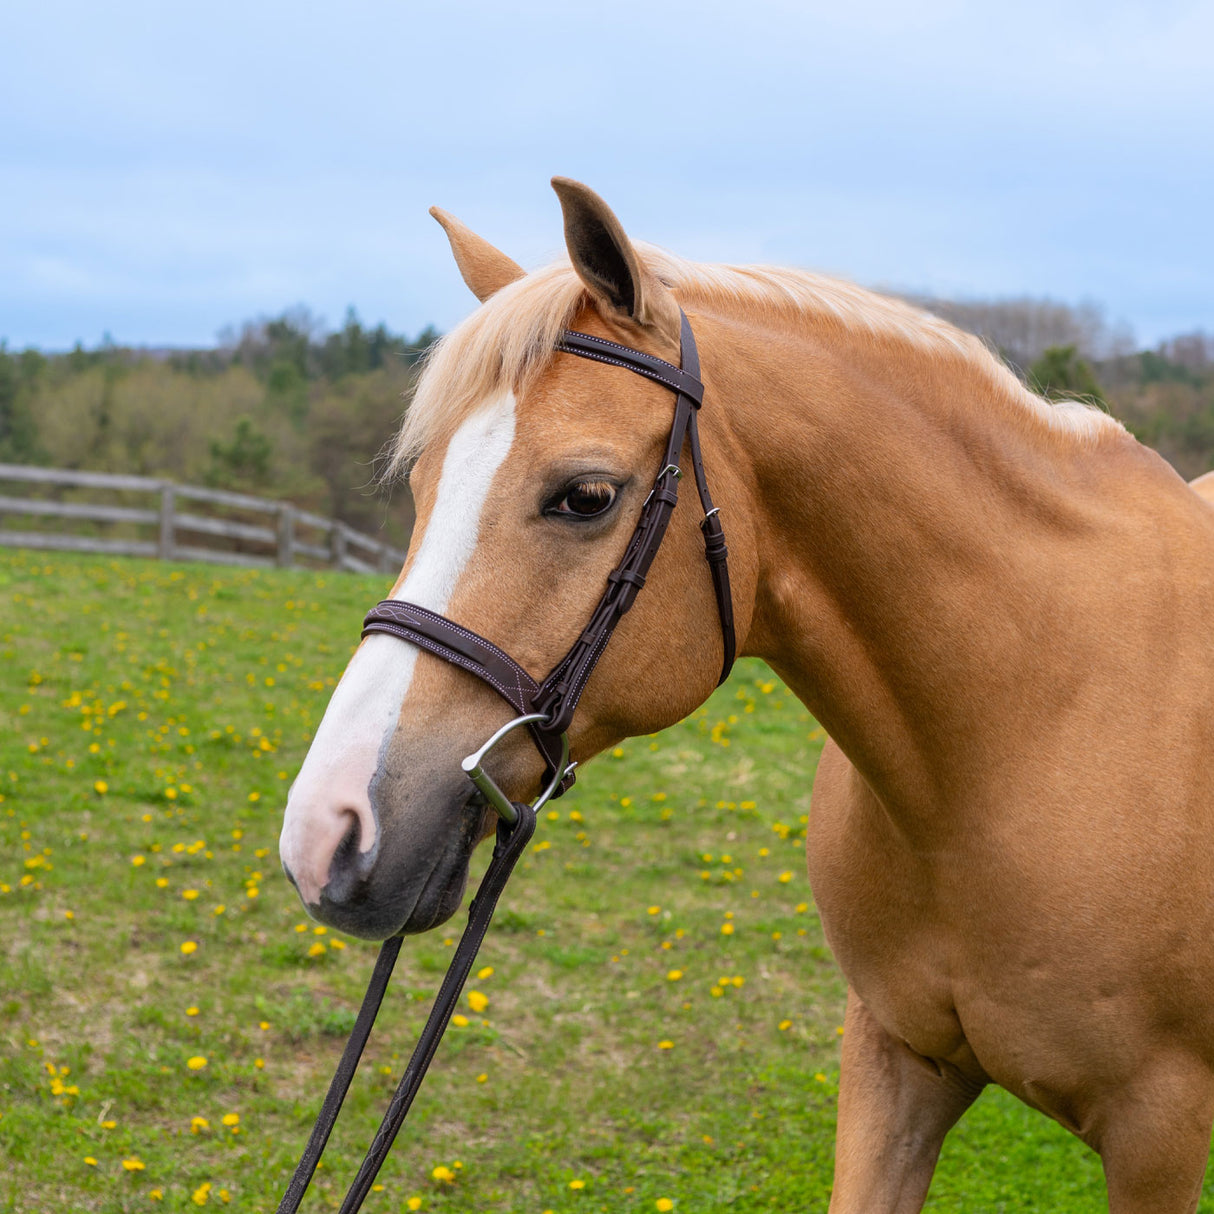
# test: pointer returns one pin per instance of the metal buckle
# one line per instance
(485, 783)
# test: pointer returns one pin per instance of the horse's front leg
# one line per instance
(1154, 1136)
(895, 1108)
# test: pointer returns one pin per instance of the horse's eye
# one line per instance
(586, 499)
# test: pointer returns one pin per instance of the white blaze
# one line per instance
(358, 724)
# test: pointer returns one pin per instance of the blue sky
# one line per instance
(167, 170)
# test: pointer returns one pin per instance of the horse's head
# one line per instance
(531, 468)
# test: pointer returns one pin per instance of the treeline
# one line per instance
(279, 408)
(285, 408)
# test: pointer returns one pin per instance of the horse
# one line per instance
(999, 609)
(1204, 485)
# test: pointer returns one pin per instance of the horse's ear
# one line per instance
(485, 269)
(607, 263)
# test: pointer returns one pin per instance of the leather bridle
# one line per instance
(546, 709)
(552, 702)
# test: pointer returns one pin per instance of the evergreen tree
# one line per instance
(1060, 372)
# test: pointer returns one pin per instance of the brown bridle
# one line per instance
(546, 708)
(554, 700)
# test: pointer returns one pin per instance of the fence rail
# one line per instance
(220, 527)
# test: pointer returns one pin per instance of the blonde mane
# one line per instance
(510, 339)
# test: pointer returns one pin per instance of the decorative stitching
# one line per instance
(682, 382)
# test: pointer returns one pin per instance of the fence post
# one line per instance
(286, 536)
(165, 546)
(337, 545)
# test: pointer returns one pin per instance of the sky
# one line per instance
(168, 170)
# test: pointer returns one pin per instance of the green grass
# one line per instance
(152, 717)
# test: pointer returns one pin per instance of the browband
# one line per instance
(558, 695)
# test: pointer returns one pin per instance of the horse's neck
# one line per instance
(911, 535)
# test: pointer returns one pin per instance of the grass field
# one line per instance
(660, 1017)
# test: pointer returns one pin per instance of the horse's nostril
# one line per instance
(347, 849)
(350, 863)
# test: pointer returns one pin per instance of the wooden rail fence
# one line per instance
(143, 516)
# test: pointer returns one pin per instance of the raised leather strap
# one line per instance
(466, 649)
(458, 645)
(684, 379)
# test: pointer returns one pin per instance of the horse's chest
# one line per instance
(891, 913)
(885, 927)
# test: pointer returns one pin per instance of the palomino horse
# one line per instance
(1000, 610)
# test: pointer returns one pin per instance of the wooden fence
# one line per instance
(141, 516)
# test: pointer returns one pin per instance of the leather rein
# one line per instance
(546, 710)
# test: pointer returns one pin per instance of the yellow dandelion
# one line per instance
(665, 1045)
(459, 1021)
(189, 947)
(317, 950)
(673, 975)
(197, 1063)
(191, 1011)
(136, 861)
(726, 929)
(477, 1001)
(654, 910)
(100, 787)
(231, 1119)
(443, 1173)
(198, 1124)
(482, 1078)
(202, 1194)
(784, 1025)
(485, 972)
(664, 1204)
(577, 1184)
(134, 1164)
(189, 894)
(414, 1203)
(90, 1161)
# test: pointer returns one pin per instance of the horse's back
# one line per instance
(1204, 486)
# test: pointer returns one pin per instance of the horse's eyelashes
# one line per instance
(586, 499)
